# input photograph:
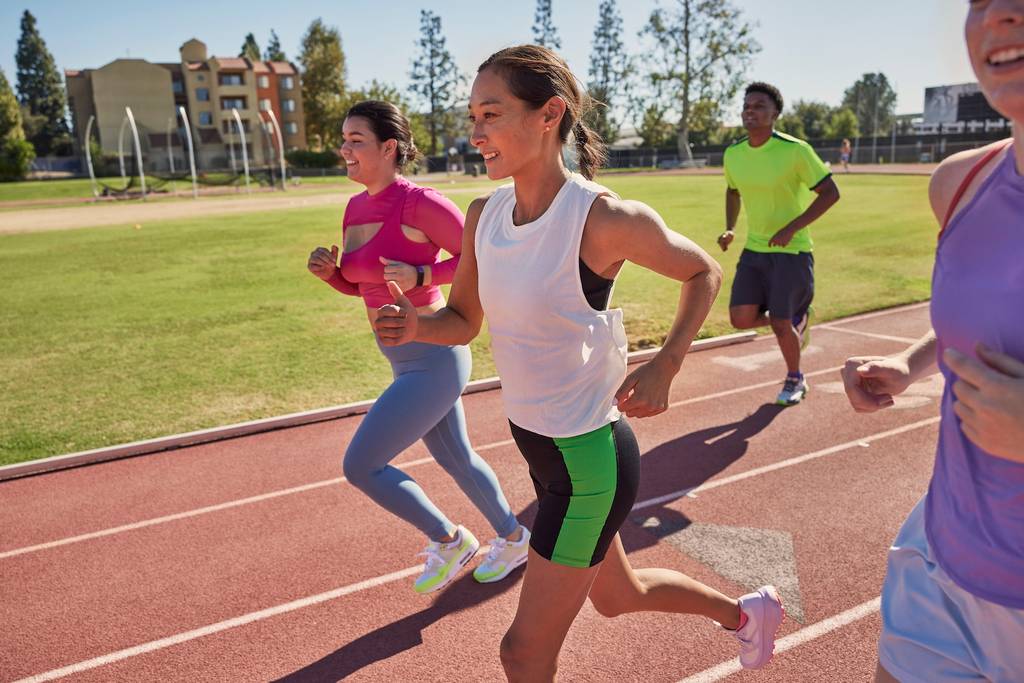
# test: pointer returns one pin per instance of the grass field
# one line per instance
(113, 334)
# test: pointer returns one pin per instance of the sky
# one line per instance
(811, 50)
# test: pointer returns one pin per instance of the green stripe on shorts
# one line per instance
(590, 460)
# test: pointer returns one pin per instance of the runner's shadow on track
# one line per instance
(401, 635)
(686, 463)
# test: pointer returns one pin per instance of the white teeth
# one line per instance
(1009, 55)
(490, 155)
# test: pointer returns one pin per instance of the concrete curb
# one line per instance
(166, 443)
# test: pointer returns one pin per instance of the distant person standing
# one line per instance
(777, 175)
(844, 154)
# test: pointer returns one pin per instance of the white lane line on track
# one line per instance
(411, 571)
(715, 483)
(210, 508)
(804, 635)
(320, 484)
(873, 335)
(219, 626)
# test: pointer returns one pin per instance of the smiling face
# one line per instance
(759, 111)
(509, 134)
(994, 32)
(366, 158)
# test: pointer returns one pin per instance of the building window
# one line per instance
(200, 78)
(287, 83)
(177, 87)
(229, 103)
(230, 126)
(264, 105)
(289, 105)
(231, 79)
(205, 118)
(203, 94)
(291, 128)
(264, 81)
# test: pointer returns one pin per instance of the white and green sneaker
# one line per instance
(503, 557)
(444, 560)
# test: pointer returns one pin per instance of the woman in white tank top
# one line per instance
(538, 259)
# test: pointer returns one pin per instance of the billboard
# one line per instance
(953, 103)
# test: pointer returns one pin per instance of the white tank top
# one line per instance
(560, 361)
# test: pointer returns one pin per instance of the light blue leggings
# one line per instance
(423, 403)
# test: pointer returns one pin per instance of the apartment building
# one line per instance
(210, 89)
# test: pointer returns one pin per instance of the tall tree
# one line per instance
(250, 48)
(610, 71)
(700, 51)
(873, 101)
(323, 83)
(544, 32)
(274, 53)
(842, 124)
(435, 79)
(41, 89)
(16, 153)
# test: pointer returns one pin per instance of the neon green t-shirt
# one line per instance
(776, 183)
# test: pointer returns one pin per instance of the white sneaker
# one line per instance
(757, 637)
(444, 560)
(503, 557)
(793, 391)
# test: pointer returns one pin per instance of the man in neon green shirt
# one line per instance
(786, 188)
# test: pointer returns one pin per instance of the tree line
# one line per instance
(692, 60)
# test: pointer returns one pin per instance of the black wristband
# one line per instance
(419, 276)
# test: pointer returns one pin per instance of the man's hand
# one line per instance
(782, 238)
(725, 239)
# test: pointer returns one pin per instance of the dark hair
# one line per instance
(388, 123)
(535, 74)
(767, 89)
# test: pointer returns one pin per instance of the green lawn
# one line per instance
(113, 334)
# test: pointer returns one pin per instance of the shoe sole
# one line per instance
(774, 596)
(463, 561)
(508, 570)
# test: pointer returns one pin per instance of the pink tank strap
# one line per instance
(975, 170)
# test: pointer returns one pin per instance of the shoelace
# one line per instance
(432, 555)
(791, 384)
(497, 545)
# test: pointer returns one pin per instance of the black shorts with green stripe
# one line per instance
(586, 485)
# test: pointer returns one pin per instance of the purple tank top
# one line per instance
(975, 504)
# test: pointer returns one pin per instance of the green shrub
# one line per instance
(15, 158)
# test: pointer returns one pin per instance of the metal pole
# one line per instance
(892, 147)
(280, 147)
(245, 151)
(874, 130)
(120, 148)
(138, 150)
(88, 156)
(191, 151)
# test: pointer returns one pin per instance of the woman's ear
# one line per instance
(554, 111)
(390, 148)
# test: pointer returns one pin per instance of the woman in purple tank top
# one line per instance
(953, 599)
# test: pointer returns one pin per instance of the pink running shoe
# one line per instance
(757, 637)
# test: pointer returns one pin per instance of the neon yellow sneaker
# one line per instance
(444, 560)
(503, 557)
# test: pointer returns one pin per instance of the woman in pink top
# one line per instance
(953, 598)
(395, 230)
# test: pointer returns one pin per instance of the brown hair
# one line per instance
(535, 74)
(388, 123)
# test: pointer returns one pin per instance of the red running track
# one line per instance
(250, 559)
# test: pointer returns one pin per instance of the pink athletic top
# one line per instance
(402, 202)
